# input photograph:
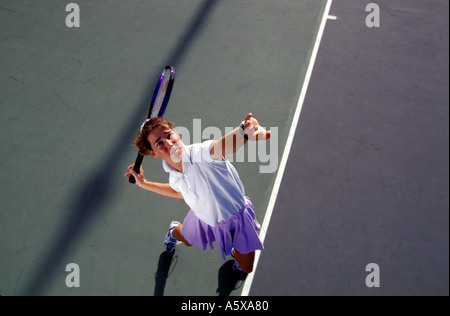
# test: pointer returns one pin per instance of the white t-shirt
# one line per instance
(211, 188)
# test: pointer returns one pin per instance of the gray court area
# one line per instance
(366, 180)
(367, 177)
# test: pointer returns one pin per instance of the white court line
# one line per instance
(287, 149)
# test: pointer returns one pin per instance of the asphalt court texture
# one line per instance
(366, 180)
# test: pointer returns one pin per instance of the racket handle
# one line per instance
(137, 167)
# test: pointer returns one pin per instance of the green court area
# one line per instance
(71, 102)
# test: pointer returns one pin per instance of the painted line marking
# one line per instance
(287, 149)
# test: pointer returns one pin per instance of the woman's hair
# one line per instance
(141, 141)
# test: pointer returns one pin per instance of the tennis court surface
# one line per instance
(364, 180)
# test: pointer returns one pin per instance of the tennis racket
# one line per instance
(158, 105)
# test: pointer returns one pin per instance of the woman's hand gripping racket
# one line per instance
(158, 106)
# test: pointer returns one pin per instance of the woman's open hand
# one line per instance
(253, 130)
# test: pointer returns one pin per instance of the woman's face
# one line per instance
(166, 144)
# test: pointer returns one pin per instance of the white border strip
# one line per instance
(287, 149)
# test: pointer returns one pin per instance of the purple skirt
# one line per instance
(238, 232)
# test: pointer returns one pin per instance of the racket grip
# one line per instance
(137, 167)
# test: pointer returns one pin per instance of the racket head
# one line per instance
(158, 106)
(162, 92)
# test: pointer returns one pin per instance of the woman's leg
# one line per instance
(245, 261)
(176, 233)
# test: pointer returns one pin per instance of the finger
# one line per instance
(254, 123)
(248, 117)
(261, 134)
(135, 175)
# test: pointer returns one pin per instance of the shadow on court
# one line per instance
(96, 189)
(166, 261)
(229, 279)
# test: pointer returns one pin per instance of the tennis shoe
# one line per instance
(169, 241)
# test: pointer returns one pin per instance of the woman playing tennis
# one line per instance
(210, 185)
